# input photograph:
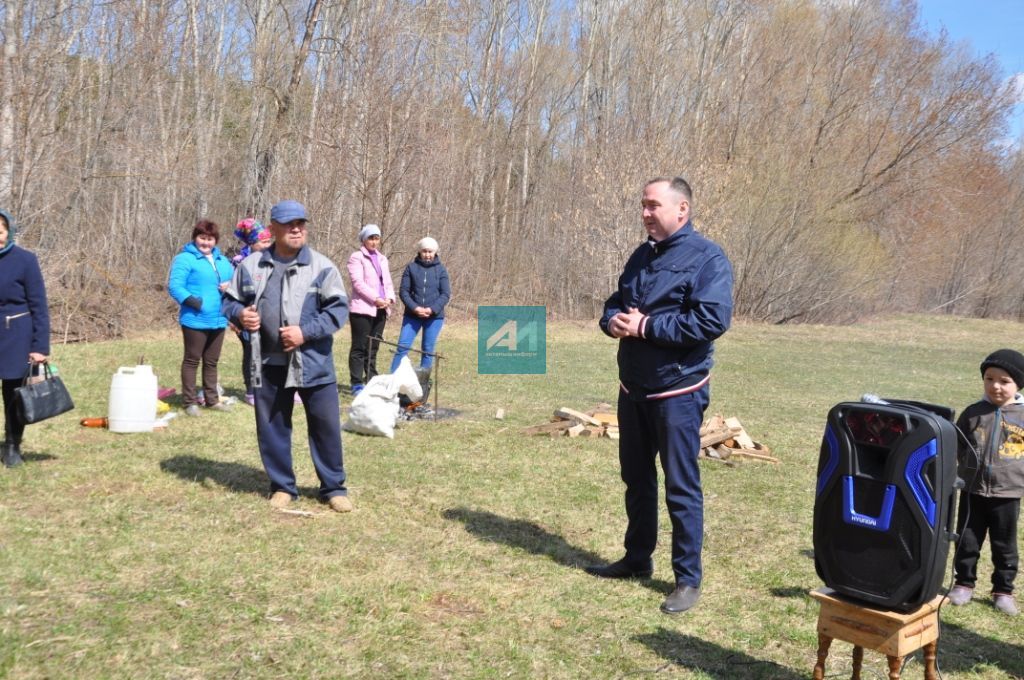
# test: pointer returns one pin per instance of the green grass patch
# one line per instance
(157, 555)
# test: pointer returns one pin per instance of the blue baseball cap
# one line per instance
(288, 211)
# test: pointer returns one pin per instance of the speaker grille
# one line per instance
(870, 560)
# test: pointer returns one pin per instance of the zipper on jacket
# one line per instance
(993, 447)
(11, 317)
(212, 259)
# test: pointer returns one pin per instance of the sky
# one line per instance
(990, 27)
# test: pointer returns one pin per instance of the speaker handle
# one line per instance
(951, 519)
(851, 516)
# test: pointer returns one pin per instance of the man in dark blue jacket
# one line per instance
(673, 300)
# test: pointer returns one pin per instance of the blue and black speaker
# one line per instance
(883, 511)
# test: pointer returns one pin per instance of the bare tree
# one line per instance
(845, 159)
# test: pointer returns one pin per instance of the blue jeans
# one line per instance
(411, 325)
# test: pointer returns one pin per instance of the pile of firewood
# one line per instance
(720, 438)
(599, 421)
(724, 438)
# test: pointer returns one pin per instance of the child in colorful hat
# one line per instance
(254, 237)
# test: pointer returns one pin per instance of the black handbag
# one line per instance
(44, 399)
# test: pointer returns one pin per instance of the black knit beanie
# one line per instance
(1010, 361)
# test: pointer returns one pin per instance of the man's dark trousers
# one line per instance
(274, 405)
(669, 427)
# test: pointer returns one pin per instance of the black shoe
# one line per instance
(681, 599)
(12, 455)
(621, 569)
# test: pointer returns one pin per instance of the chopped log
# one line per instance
(581, 418)
(742, 438)
(714, 424)
(756, 455)
(591, 431)
(715, 437)
(723, 451)
(606, 418)
(611, 432)
(558, 427)
(576, 430)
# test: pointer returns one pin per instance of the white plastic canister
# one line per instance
(132, 404)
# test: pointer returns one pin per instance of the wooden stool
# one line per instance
(894, 634)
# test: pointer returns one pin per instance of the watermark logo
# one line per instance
(511, 340)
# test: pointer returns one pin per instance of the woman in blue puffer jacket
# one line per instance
(198, 275)
(425, 291)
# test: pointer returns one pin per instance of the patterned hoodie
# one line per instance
(997, 434)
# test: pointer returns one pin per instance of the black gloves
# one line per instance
(193, 302)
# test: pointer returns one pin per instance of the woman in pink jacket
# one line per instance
(372, 297)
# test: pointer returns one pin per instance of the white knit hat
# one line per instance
(427, 243)
(368, 231)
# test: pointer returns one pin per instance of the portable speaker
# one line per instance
(883, 509)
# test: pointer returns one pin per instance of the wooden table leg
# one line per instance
(895, 663)
(824, 642)
(931, 671)
(858, 661)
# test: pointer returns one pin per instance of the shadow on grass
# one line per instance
(963, 650)
(526, 535)
(37, 457)
(237, 392)
(232, 476)
(691, 653)
(794, 591)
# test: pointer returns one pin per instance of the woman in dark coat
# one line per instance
(425, 291)
(24, 331)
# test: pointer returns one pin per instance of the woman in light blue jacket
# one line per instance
(198, 275)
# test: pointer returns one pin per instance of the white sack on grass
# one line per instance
(375, 410)
(406, 381)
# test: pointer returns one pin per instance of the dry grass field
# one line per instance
(157, 555)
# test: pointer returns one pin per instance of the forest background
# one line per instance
(850, 162)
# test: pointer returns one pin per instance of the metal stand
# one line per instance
(435, 372)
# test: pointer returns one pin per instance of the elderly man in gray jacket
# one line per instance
(292, 300)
